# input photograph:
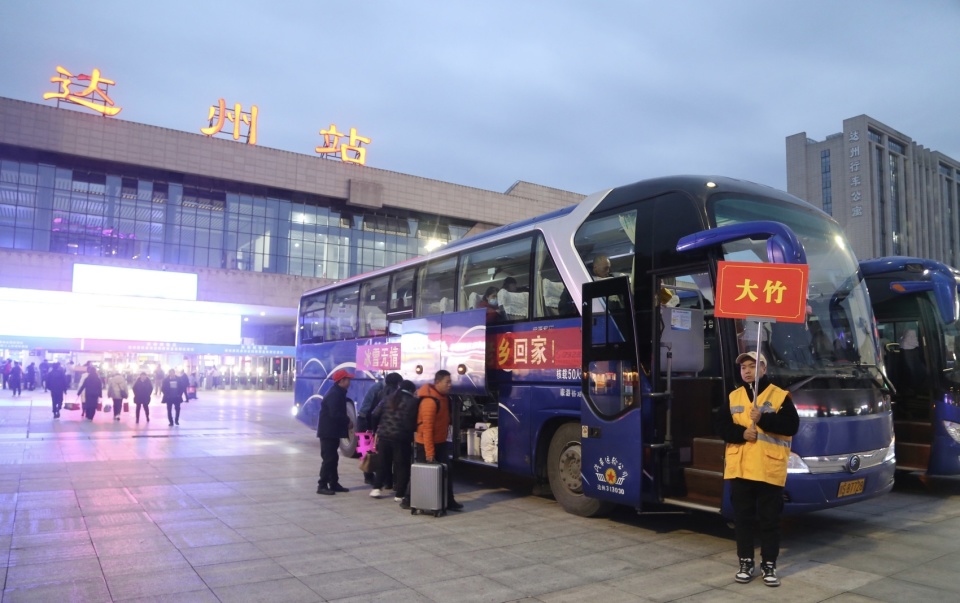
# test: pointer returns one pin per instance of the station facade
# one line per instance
(254, 226)
(892, 195)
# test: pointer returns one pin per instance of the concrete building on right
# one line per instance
(892, 195)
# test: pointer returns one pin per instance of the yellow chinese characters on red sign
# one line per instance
(219, 115)
(94, 85)
(755, 290)
(351, 151)
(547, 349)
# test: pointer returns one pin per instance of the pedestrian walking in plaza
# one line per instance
(92, 390)
(758, 430)
(7, 367)
(334, 424)
(157, 379)
(396, 420)
(44, 371)
(117, 390)
(172, 396)
(30, 382)
(142, 388)
(56, 383)
(184, 384)
(15, 379)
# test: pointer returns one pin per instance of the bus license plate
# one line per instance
(851, 487)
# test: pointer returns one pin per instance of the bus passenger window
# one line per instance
(499, 272)
(553, 298)
(373, 310)
(342, 313)
(437, 287)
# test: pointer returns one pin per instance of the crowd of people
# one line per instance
(409, 424)
(97, 390)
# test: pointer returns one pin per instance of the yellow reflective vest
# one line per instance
(766, 459)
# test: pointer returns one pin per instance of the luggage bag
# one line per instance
(428, 488)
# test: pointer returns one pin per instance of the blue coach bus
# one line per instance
(602, 365)
(916, 305)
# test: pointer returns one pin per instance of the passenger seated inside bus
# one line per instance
(552, 293)
(513, 304)
(489, 301)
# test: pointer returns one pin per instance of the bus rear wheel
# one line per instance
(563, 472)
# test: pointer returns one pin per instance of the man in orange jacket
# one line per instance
(433, 422)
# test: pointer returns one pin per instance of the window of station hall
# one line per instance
(80, 207)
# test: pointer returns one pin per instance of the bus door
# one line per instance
(610, 425)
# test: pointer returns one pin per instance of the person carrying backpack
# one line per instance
(375, 396)
(433, 421)
(396, 419)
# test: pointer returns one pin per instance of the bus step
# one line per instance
(708, 453)
(702, 483)
(913, 457)
(913, 432)
(699, 503)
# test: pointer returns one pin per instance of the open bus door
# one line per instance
(610, 434)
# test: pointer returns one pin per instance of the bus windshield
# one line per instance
(837, 336)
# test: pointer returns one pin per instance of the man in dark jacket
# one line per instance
(334, 424)
(56, 383)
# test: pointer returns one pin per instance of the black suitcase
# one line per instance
(428, 488)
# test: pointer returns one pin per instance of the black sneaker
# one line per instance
(326, 491)
(404, 504)
(454, 506)
(747, 571)
(769, 570)
(339, 488)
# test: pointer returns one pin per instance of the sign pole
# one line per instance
(760, 322)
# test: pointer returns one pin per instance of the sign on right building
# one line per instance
(891, 195)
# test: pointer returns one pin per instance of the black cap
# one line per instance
(408, 386)
(394, 379)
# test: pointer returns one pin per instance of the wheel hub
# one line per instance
(570, 468)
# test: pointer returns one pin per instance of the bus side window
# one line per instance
(552, 297)
(342, 313)
(373, 310)
(501, 270)
(437, 287)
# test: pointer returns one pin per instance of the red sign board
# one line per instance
(548, 349)
(755, 290)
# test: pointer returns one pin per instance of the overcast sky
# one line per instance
(578, 96)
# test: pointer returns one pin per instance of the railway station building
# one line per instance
(136, 245)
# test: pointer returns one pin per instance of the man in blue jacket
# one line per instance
(334, 424)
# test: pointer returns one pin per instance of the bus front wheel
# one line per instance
(563, 472)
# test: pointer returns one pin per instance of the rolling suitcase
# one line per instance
(428, 488)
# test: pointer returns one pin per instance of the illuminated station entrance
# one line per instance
(142, 321)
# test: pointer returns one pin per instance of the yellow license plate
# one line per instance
(850, 488)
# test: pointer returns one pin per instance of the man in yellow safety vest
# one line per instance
(758, 431)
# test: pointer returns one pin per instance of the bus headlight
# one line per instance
(953, 429)
(294, 409)
(795, 464)
(892, 451)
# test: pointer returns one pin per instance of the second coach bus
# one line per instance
(918, 316)
(618, 408)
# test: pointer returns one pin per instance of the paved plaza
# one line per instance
(223, 508)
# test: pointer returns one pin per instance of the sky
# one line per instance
(579, 96)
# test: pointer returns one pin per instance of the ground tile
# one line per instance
(403, 595)
(289, 590)
(415, 572)
(160, 560)
(153, 583)
(242, 572)
(590, 592)
(51, 553)
(349, 583)
(472, 589)
(39, 574)
(223, 553)
(91, 589)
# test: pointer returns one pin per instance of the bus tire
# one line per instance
(563, 472)
(348, 445)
